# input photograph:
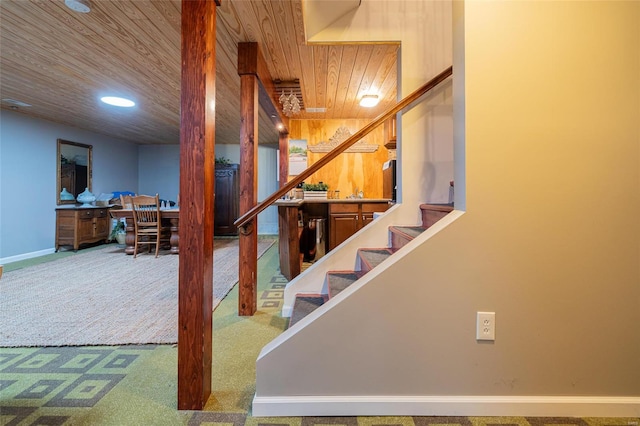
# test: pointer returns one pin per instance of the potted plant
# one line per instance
(119, 232)
(223, 160)
(315, 190)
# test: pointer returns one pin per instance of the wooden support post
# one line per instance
(283, 146)
(197, 155)
(256, 89)
(248, 264)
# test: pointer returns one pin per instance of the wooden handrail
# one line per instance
(408, 100)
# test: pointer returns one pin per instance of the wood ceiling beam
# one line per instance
(251, 61)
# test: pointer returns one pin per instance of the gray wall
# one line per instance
(28, 178)
(161, 166)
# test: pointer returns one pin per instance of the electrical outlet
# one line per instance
(486, 326)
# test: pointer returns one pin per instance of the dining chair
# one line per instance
(125, 201)
(146, 219)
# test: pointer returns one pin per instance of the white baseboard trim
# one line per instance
(546, 406)
(24, 256)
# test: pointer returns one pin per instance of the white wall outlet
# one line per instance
(486, 326)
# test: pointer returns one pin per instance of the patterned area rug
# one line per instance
(104, 297)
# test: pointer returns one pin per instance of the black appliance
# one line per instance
(389, 183)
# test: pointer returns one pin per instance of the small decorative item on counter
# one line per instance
(315, 190)
(66, 195)
(298, 193)
(86, 198)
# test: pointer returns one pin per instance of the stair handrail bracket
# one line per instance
(408, 102)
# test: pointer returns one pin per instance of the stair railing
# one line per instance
(380, 119)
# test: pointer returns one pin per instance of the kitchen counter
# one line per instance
(342, 218)
(300, 201)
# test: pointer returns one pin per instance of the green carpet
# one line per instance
(137, 385)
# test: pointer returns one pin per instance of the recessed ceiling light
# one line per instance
(16, 103)
(116, 101)
(82, 6)
(369, 101)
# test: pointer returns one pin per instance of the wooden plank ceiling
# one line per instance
(61, 62)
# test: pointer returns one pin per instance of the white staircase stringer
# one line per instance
(343, 257)
(281, 405)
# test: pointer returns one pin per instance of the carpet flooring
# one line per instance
(136, 385)
(103, 297)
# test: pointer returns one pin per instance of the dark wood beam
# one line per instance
(248, 244)
(256, 90)
(283, 157)
(251, 61)
(197, 164)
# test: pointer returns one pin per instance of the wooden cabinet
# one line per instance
(345, 219)
(390, 133)
(227, 199)
(343, 222)
(81, 225)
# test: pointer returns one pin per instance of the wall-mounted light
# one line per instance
(116, 101)
(82, 6)
(369, 101)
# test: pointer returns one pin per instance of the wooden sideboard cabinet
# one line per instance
(81, 225)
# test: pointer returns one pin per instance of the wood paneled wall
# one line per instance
(350, 170)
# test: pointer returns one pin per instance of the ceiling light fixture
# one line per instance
(369, 101)
(82, 6)
(116, 101)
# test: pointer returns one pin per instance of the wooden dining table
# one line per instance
(169, 218)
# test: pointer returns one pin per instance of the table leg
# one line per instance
(174, 240)
(130, 240)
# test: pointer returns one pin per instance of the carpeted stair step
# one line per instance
(431, 213)
(304, 304)
(401, 235)
(371, 257)
(339, 280)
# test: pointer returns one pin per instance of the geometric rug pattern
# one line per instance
(64, 385)
(52, 385)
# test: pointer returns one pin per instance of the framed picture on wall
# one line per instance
(297, 156)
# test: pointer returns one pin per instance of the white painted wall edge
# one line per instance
(546, 406)
(24, 256)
